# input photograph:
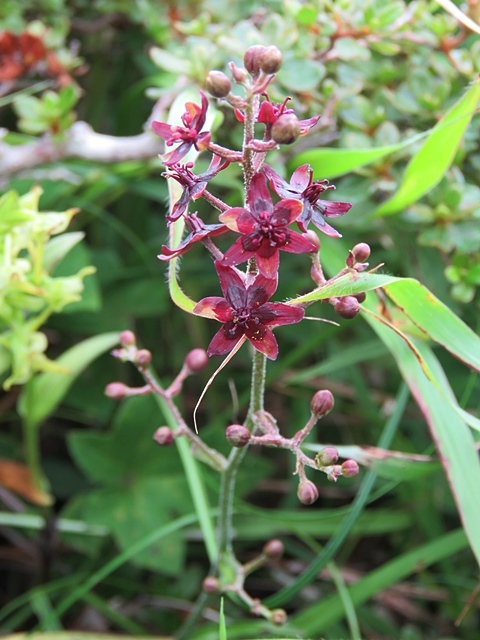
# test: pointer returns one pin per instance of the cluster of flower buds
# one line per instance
(321, 405)
(195, 361)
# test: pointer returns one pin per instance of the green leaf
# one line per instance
(429, 165)
(58, 247)
(434, 318)
(331, 163)
(127, 453)
(47, 390)
(301, 75)
(346, 285)
(454, 441)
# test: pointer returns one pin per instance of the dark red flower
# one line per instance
(198, 231)
(193, 185)
(264, 229)
(301, 186)
(270, 112)
(189, 135)
(244, 311)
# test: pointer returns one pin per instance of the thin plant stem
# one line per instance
(30, 440)
(227, 489)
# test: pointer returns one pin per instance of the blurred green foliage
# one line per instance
(379, 73)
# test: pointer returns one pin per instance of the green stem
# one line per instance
(30, 440)
(227, 488)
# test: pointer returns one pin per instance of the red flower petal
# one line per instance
(263, 340)
(238, 219)
(284, 313)
(258, 195)
(285, 212)
(268, 284)
(220, 344)
(332, 209)
(301, 178)
(232, 284)
(237, 254)
(268, 265)
(214, 307)
(298, 244)
(162, 129)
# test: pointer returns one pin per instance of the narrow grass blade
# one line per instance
(319, 617)
(89, 583)
(195, 484)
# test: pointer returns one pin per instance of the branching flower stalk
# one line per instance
(263, 227)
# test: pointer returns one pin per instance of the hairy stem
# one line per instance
(227, 489)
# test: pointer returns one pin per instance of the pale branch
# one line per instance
(80, 141)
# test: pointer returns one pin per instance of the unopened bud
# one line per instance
(360, 296)
(127, 338)
(350, 468)
(116, 390)
(237, 435)
(196, 360)
(312, 237)
(217, 84)
(361, 252)
(211, 584)
(271, 60)
(322, 403)
(307, 492)
(326, 457)
(144, 358)
(347, 307)
(239, 73)
(273, 549)
(286, 129)
(163, 436)
(278, 617)
(252, 58)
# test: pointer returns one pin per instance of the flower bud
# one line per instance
(273, 549)
(252, 58)
(237, 435)
(163, 436)
(196, 360)
(322, 403)
(217, 84)
(127, 338)
(360, 296)
(312, 237)
(239, 73)
(286, 129)
(211, 584)
(347, 307)
(350, 468)
(326, 457)
(116, 390)
(361, 252)
(271, 60)
(278, 617)
(307, 492)
(144, 358)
